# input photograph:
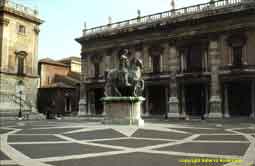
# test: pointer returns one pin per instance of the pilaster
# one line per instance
(5, 44)
(35, 53)
(83, 103)
(183, 103)
(206, 102)
(83, 100)
(173, 100)
(215, 98)
(147, 104)
(226, 106)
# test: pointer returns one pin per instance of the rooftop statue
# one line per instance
(126, 79)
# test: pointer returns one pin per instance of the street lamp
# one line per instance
(20, 104)
(19, 92)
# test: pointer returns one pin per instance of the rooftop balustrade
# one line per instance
(200, 8)
(18, 7)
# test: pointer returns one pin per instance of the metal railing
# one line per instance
(18, 7)
(167, 14)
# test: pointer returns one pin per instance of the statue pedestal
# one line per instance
(123, 110)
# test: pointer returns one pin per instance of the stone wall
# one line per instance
(8, 85)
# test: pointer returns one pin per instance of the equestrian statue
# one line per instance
(126, 80)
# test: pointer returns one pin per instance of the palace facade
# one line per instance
(19, 31)
(198, 60)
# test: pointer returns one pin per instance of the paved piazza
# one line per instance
(158, 143)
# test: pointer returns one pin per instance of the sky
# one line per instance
(64, 19)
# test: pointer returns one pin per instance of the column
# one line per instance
(206, 61)
(226, 106)
(182, 61)
(166, 101)
(173, 100)
(253, 99)
(147, 104)
(89, 112)
(83, 100)
(183, 114)
(206, 102)
(215, 98)
(92, 106)
(83, 104)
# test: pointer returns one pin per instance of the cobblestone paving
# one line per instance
(70, 143)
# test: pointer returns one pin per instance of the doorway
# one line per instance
(99, 93)
(157, 101)
(195, 99)
(239, 98)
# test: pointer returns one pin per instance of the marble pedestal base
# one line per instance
(123, 110)
(215, 107)
(173, 107)
(82, 107)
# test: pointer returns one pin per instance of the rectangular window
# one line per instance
(237, 55)
(194, 59)
(97, 69)
(156, 63)
(21, 61)
(21, 29)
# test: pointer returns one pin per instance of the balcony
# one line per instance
(238, 68)
(194, 70)
(171, 14)
(234, 72)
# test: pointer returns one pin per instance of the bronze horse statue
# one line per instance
(125, 80)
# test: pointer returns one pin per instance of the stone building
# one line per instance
(19, 33)
(198, 60)
(59, 86)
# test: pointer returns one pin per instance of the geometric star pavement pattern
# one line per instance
(93, 144)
